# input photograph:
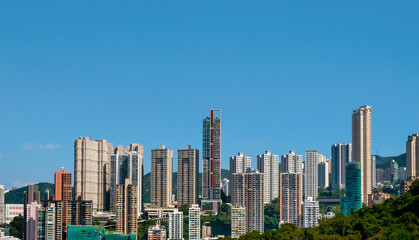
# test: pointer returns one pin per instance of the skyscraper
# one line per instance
(291, 163)
(176, 225)
(361, 147)
(268, 164)
(161, 177)
(248, 193)
(239, 164)
(92, 171)
(126, 207)
(353, 191)
(211, 174)
(412, 156)
(394, 171)
(127, 163)
(323, 173)
(291, 197)
(63, 186)
(31, 201)
(2, 215)
(194, 222)
(341, 155)
(311, 212)
(188, 176)
(311, 174)
(373, 171)
(238, 221)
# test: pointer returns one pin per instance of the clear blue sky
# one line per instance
(286, 74)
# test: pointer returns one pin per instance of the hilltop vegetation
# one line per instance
(384, 162)
(396, 218)
(16, 196)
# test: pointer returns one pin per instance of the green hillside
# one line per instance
(16, 196)
(384, 162)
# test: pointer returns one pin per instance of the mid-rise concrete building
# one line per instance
(46, 223)
(311, 174)
(341, 155)
(412, 156)
(353, 191)
(268, 164)
(157, 232)
(2, 194)
(238, 221)
(248, 193)
(161, 177)
(291, 163)
(126, 207)
(206, 230)
(176, 225)
(127, 163)
(11, 211)
(361, 147)
(31, 221)
(194, 222)
(311, 212)
(188, 176)
(92, 170)
(377, 197)
(291, 197)
(239, 164)
(373, 171)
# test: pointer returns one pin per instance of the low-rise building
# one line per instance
(12, 210)
(377, 197)
(157, 232)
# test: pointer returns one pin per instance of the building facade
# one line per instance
(353, 192)
(31, 201)
(412, 156)
(63, 186)
(126, 208)
(394, 171)
(361, 147)
(268, 164)
(211, 173)
(11, 211)
(311, 174)
(176, 225)
(323, 173)
(92, 171)
(291, 163)
(291, 197)
(157, 232)
(188, 176)
(46, 223)
(225, 186)
(311, 213)
(238, 221)
(161, 177)
(341, 155)
(194, 222)
(239, 164)
(2, 204)
(127, 163)
(373, 171)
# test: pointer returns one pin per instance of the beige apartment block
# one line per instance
(126, 208)
(361, 147)
(161, 177)
(412, 156)
(92, 171)
(238, 221)
(188, 176)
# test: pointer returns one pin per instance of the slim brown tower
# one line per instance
(161, 177)
(63, 186)
(187, 176)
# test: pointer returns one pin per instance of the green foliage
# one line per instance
(393, 219)
(142, 231)
(220, 223)
(272, 214)
(327, 193)
(16, 196)
(384, 162)
(15, 227)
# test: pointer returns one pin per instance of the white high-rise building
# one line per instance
(194, 222)
(239, 163)
(311, 212)
(225, 186)
(291, 163)
(2, 215)
(268, 164)
(311, 174)
(129, 166)
(176, 225)
(361, 147)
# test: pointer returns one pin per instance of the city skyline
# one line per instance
(283, 56)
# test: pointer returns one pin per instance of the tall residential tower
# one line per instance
(341, 155)
(187, 176)
(161, 177)
(268, 164)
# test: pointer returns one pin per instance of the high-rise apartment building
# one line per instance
(353, 191)
(2, 215)
(239, 164)
(401, 174)
(341, 155)
(361, 147)
(127, 163)
(63, 186)
(194, 222)
(323, 173)
(157, 232)
(373, 171)
(291, 163)
(268, 164)
(311, 174)
(248, 193)
(238, 221)
(211, 173)
(92, 171)
(161, 177)
(412, 156)
(188, 176)
(176, 225)
(311, 212)
(32, 199)
(126, 207)
(291, 197)
(46, 223)
(225, 186)
(394, 171)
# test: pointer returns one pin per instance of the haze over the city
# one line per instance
(285, 75)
